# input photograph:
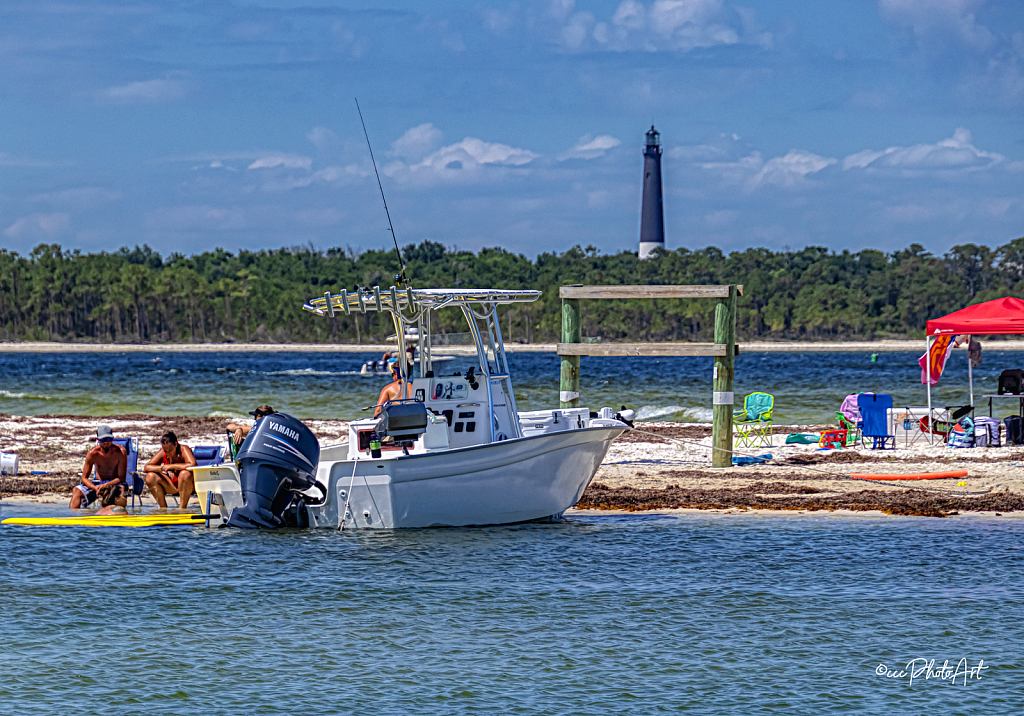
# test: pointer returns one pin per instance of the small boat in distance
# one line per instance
(455, 452)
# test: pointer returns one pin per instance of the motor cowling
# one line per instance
(276, 463)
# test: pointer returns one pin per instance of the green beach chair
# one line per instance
(754, 422)
(852, 431)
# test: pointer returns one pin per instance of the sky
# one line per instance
(191, 126)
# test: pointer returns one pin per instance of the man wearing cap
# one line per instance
(110, 462)
(238, 432)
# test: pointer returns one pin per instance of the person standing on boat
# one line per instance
(393, 390)
(110, 462)
(169, 472)
(238, 432)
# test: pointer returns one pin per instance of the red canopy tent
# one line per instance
(1001, 316)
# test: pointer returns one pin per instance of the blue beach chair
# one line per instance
(209, 454)
(874, 420)
(131, 477)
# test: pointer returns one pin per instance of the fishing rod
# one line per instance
(400, 278)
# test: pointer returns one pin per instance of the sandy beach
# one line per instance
(752, 346)
(660, 466)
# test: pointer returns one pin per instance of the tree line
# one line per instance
(134, 295)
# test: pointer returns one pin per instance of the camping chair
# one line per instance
(852, 431)
(754, 422)
(131, 477)
(232, 448)
(209, 454)
(945, 427)
(874, 424)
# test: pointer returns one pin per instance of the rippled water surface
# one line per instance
(601, 614)
(809, 387)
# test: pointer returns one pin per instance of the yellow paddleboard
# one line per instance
(112, 520)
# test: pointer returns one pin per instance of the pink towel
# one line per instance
(849, 408)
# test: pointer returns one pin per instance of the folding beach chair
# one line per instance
(232, 448)
(754, 422)
(209, 454)
(874, 423)
(851, 429)
(131, 477)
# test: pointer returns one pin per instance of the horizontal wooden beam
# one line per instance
(642, 349)
(647, 291)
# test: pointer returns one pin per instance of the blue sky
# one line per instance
(189, 126)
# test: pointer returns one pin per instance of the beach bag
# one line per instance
(1014, 430)
(962, 434)
(986, 432)
(1011, 381)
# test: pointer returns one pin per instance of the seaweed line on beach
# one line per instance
(912, 503)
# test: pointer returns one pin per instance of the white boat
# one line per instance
(457, 453)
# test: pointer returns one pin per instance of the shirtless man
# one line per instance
(110, 462)
(169, 472)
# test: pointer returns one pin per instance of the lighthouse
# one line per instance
(652, 215)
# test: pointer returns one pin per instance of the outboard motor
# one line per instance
(276, 463)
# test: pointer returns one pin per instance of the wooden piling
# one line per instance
(722, 400)
(569, 381)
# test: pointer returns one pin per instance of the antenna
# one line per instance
(400, 279)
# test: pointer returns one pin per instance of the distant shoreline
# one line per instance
(751, 347)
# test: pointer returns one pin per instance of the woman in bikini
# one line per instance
(169, 472)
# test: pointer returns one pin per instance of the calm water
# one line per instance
(639, 614)
(808, 387)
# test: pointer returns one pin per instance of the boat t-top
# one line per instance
(453, 451)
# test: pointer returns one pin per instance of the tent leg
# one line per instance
(970, 370)
(928, 381)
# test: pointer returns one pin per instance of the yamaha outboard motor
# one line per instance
(276, 463)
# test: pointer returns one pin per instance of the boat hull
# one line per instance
(505, 482)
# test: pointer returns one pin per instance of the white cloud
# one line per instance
(417, 142)
(38, 226)
(590, 148)
(147, 92)
(678, 25)
(287, 161)
(790, 169)
(465, 160)
(322, 138)
(933, 20)
(954, 154)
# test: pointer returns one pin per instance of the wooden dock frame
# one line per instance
(724, 349)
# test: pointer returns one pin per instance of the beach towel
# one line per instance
(937, 356)
(751, 460)
(849, 408)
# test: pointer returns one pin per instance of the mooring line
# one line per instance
(820, 471)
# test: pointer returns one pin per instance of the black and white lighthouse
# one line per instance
(652, 215)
